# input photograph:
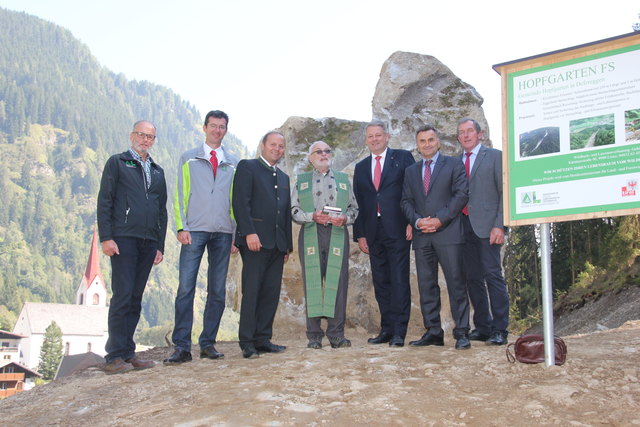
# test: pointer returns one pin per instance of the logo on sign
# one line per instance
(529, 198)
(630, 189)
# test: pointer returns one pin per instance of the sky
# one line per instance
(263, 61)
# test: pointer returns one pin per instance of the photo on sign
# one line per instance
(540, 141)
(632, 125)
(592, 132)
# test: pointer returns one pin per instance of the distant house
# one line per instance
(9, 346)
(15, 378)
(83, 324)
(83, 329)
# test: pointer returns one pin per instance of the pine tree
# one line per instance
(50, 352)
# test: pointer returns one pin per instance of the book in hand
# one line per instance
(332, 211)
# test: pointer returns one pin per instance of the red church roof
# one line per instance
(93, 265)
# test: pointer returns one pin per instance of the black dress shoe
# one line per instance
(178, 357)
(497, 338)
(270, 347)
(428, 339)
(210, 353)
(476, 335)
(250, 352)
(382, 338)
(462, 342)
(396, 341)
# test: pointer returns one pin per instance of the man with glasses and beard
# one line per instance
(324, 204)
(132, 223)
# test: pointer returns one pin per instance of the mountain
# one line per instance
(62, 115)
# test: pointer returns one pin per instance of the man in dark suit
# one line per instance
(382, 231)
(484, 235)
(434, 192)
(262, 208)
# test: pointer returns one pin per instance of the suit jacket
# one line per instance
(448, 194)
(387, 197)
(262, 205)
(485, 192)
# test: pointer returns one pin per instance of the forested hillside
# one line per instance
(61, 116)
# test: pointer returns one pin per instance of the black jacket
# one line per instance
(262, 205)
(387, 197)
(125, 207)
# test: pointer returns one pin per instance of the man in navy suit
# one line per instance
(262, 207)
(382, 231)
(434, 192)
(484, 235)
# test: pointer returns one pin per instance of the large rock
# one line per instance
(415, 90)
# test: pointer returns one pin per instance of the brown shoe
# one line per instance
(117, 366)
(139, 364)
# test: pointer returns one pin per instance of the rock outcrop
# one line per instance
(413, 90)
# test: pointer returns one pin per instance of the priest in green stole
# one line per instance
(324, 204)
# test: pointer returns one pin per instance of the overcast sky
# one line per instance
(263, 61)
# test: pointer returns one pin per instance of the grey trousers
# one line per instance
(335, 325)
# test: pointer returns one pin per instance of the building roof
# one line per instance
(93, 265)
(77, 362)
(10, 335)
(28, 372)
(72, 319)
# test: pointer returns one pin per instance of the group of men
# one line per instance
(451, 208)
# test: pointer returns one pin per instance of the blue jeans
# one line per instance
(129, 273)
(218, 247)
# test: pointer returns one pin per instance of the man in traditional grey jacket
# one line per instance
(323, 202)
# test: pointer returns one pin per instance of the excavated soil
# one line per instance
(362, 385)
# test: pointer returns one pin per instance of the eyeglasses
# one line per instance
(145, 135)
(320, 152)
(221, 127)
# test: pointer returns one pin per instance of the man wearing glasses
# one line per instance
(203, 220)
(132, 223)
(323, 202)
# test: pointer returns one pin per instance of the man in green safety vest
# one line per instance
(324, 204)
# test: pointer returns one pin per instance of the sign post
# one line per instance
(571, 141)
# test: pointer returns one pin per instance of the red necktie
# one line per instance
(427, 176)
(214, 162)
(467, 167)
(377, 173)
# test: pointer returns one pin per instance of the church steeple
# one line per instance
(92, 290)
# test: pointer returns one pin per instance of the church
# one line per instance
(83, 324)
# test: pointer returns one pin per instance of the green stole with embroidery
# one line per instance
(321, 296)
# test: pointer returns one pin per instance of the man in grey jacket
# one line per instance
(483, 224)
(203, 219)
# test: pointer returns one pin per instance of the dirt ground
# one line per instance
(362, 385)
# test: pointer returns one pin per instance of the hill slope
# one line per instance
(61, 116)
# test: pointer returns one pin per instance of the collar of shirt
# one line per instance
(318, 173)
(434, 159)
(373, 161)
(138, 157)
(473, 156)
(267, 163)
(146, 166)
(219, 152)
